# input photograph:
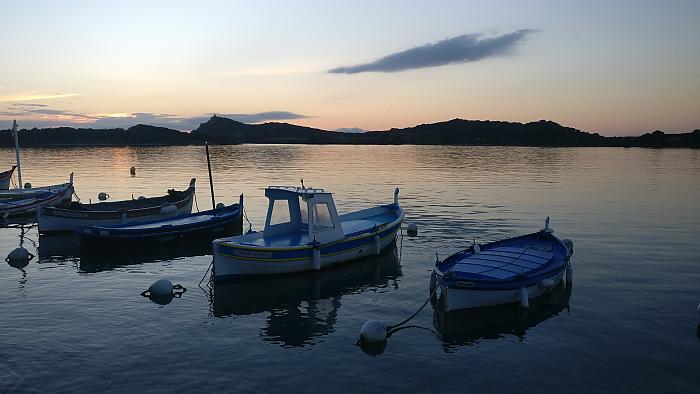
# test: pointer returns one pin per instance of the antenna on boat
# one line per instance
(211, 183)
(15, 133)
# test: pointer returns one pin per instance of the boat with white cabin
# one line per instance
(303, 232)
(68, 218)
(502, 272)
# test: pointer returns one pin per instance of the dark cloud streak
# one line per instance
(460, 49)
(83, 120)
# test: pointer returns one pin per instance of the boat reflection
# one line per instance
(470, 326)
(67, 246)
(304, 306)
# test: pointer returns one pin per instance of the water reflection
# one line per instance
(304, 306)
(66, 246)
(468, 327)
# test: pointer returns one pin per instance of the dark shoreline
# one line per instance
(458, 132)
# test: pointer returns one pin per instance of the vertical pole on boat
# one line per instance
(15, 133)
(211, 183)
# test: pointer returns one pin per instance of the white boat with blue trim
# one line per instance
(303, 232)
(502, 272)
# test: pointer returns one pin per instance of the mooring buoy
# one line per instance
(102, 196)
(412, 230)
(132, 171)
(373, 331)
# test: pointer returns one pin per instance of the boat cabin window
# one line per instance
(280, 212)
(322, 217)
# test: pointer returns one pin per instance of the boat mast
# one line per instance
(15, 132)
(211, 183)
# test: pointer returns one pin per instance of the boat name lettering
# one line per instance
(71, 214)
(251, 253)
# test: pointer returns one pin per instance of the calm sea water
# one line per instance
(629, 322)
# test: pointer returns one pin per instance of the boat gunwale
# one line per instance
(355, 237)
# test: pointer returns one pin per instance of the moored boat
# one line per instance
(69, 217)
(502, 272)
(5, 177)
(197, 227)
(25, 202)
(303, 232)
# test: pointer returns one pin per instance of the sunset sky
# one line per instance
(613, 67)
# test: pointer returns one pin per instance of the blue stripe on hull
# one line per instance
(306, 252)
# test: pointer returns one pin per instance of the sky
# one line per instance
(611, 67)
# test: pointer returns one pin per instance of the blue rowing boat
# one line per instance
(502, 272)
(198, 227)
(303, 232)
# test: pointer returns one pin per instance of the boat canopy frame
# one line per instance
(302, 210)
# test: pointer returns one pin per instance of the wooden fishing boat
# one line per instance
(69, 217)
(5, 178)
(303, 232)
(26, 202)
(502, 272)
(201, 227)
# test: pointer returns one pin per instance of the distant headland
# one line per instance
(220, 130)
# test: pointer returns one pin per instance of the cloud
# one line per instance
(264, 116)
(29, 97)
(460, 49)
(37, 116)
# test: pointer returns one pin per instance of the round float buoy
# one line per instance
(102, 196)
(168, 209)
(161, 287)
(19, 257)
(27, 185)
(412, 230)
(220, 205)
(546, 283)
(163, 291)
(524, 298)
(132, 171)
(373, 331)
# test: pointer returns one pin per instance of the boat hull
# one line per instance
(97, 239)
(26, 207)
(5, 178)
(231, 262)
(67, 219)
(455, 298)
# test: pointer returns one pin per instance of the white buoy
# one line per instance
(569, 245)
(377, 245)
(546, 283)
(102, 196)
(220, 205)
(373, 331)
(412, 229)
(524, 298)
(27, 185)
(161, 287)
(317, 259)
(168, 209)
(18, 256)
